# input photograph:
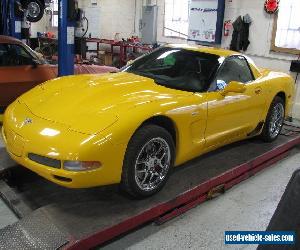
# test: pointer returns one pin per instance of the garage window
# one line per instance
(176, 23)
(286, 32)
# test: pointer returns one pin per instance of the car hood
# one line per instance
(91, 103)
(80, 69)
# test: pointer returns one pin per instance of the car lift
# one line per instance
(66, 39)
(10, 23)
(53, 217)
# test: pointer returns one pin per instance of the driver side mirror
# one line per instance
(234, 87)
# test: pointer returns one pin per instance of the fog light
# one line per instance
(81, 165)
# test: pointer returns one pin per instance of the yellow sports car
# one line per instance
(132, 127)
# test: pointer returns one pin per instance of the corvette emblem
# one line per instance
(27, 121)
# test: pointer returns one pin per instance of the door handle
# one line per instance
(258, 91)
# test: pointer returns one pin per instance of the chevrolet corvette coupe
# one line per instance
(132, 127)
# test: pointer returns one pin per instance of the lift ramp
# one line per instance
(53, 217)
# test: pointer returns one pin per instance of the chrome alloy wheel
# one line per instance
(276, 120)
(152, 164)
(33, 9)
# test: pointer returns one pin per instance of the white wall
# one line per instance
(114, 17)
(106, 18)
(42, 26)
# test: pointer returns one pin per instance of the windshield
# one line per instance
(177, 68)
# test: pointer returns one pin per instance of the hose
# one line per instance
(87, 26)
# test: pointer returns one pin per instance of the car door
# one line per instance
(19, 72)
(234, 115)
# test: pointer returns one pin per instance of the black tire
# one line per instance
(139, 141)
(37, 16)
(266, 134)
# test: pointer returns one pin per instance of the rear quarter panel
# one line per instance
(275, 83)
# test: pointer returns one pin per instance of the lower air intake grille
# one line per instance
(44, 160)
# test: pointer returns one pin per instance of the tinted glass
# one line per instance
(14, 55)
(234, 68)
(3, 54)
(177, 68)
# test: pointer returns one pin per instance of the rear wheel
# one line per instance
(149, 157)
(274, 121)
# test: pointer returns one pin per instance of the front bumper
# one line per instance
(109, 173)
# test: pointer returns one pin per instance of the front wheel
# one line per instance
(149, 157)
(274, 121)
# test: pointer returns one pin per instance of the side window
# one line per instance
(234, 68)
(3, 55)
(16, 55)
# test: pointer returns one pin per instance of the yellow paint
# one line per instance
(93, 117)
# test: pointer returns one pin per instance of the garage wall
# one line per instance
(114, 17)
(42, 26)
(107, 17)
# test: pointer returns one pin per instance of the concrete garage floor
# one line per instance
(7, 217)
(248, 206)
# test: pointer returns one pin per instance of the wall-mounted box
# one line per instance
(149, 24)
(206, 21)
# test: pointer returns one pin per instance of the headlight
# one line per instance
(81, 165)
